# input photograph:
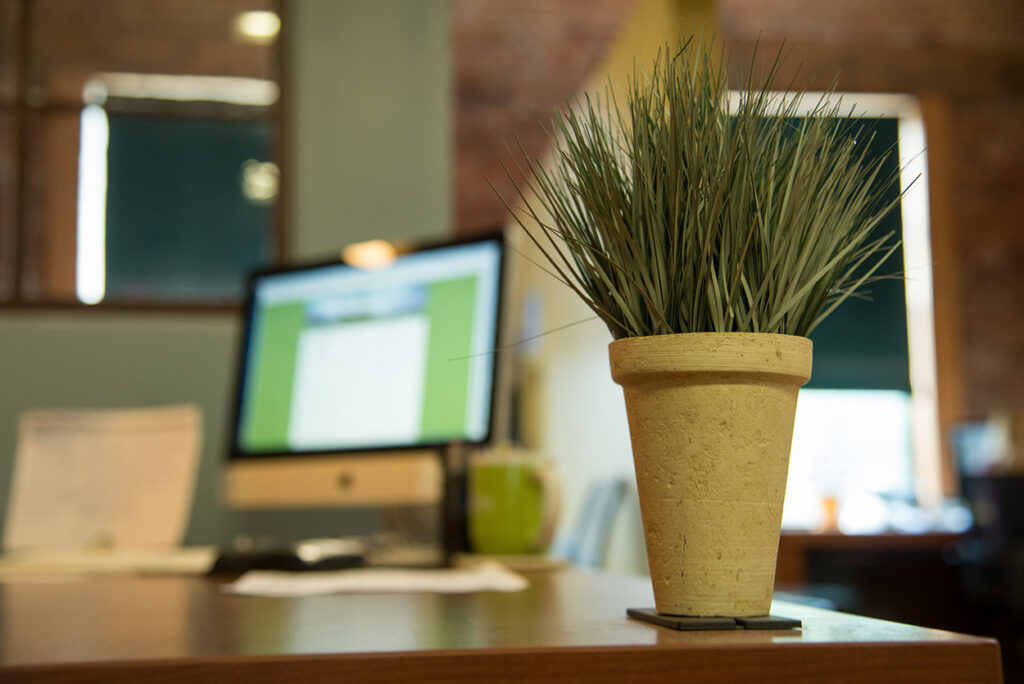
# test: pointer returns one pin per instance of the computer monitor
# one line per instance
(352, 378)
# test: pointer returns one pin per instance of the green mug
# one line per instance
(513, 503)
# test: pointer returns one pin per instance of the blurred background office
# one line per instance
(152, 152)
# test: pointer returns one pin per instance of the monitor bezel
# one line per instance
(236, 453)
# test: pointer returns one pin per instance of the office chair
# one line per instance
(586, 544)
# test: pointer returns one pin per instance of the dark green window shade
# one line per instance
(179, 227)
(863, 344)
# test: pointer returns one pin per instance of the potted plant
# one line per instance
(711, 238)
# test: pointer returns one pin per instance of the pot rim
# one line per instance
(637, 359)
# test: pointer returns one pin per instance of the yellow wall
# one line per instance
(653, 24)
(573, 411)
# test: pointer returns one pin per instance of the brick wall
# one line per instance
(988, 190)
(515, 62)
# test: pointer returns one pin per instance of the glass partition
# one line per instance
(149, 131)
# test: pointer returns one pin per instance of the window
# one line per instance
(866, 442)
(137, 149)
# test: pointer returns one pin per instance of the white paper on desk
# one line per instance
(483, 577)
(103, 478)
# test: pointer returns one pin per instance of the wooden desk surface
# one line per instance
(568, 625)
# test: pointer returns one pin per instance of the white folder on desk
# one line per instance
(89, 479)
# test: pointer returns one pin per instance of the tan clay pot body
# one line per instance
(711, 423)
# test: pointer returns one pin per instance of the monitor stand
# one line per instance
(395, 478)
(421, 495)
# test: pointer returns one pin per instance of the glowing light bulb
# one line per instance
(369, 254)
(259, 27)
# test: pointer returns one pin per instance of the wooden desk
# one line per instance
(568, 626)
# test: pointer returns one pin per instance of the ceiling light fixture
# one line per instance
(259, 27)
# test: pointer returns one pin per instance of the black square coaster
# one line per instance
(768, 622)
(681, 622)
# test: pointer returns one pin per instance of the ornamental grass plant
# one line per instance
(681, 212)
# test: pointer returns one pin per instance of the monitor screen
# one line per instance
(338, 358)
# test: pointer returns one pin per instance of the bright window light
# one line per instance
(917, 266)
(250, 92)
(847, 444)
(90, 267)
(899, 456)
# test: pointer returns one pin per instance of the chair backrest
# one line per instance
(586, 544)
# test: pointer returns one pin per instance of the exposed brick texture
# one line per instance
(989, 177)
(74, 39)
(516, 61)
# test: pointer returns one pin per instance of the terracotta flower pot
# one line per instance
(711, 423)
